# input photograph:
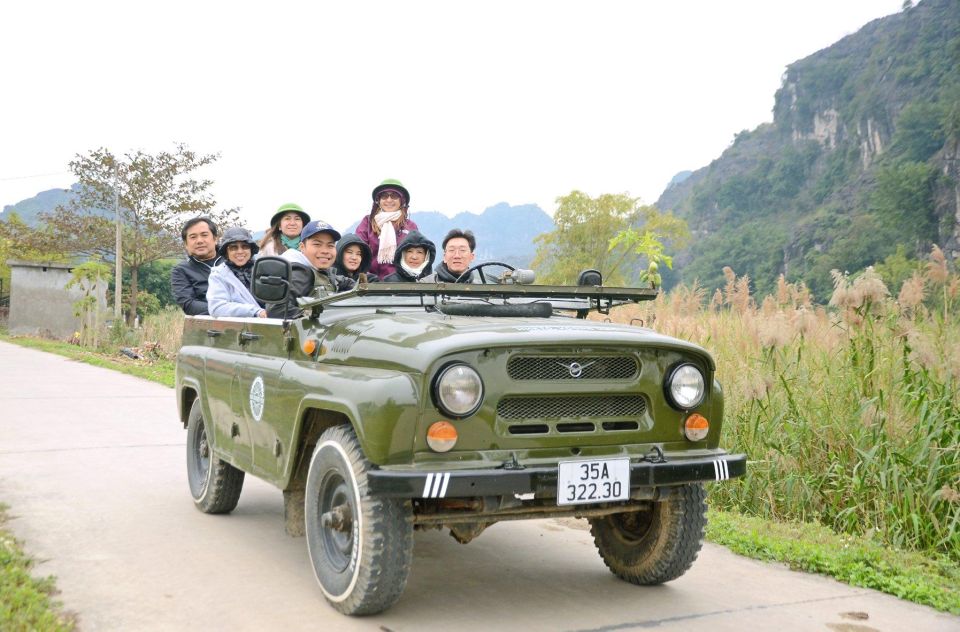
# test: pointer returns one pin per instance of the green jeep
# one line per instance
(393, 407)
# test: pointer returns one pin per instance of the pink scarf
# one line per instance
(388, 235)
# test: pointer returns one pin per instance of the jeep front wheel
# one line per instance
(214, 484)
(655, 546)
(360, 547)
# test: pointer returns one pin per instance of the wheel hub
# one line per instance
(340, 518)
(336, 514)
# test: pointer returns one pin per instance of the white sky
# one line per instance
(468, 103)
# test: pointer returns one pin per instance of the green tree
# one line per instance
(921, 131)
(156, 194)
(903, 200)
(89, 277)
(897, 268)
(585, 236)
(19, 241)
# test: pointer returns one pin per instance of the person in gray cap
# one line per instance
(228, 292)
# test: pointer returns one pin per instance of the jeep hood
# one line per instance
(414, 340)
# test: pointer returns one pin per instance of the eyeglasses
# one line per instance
(462, 250)
(390, 194)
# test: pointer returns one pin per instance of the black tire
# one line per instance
(360, 546)
(214, 484)
(655, 546)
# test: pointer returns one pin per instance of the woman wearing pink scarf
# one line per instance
(386, 225)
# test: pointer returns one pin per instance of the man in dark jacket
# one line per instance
(458, 247)
(189, 278)
(413, 260)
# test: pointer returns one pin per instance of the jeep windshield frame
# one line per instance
(577, 297)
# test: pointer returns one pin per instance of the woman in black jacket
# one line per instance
(354, 258)
(413, 260)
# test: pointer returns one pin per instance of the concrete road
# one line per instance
(92, 464)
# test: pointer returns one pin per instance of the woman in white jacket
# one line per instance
(228, 289)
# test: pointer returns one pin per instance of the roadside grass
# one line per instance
(26, 603)
(930, 581)
(160, 370)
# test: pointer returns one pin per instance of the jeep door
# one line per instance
(265, 349)
(230, 438)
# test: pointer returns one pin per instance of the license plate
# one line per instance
(584, 482)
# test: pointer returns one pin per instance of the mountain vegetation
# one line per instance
(861, 158)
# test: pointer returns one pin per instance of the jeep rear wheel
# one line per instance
(360, 547)
(655, 546)
(214, 484)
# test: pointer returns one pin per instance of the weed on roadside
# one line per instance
(26, 603)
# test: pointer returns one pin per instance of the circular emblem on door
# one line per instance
(257, 397)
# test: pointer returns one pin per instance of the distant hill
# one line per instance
(504, 232)
(863, 155)
(45, 201)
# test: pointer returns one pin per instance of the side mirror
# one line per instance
(271, 279)
(590, 277)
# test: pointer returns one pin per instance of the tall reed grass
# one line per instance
(849, 414)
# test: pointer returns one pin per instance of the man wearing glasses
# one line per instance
(458, 247)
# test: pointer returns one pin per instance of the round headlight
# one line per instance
(458, 391)
(685, 387)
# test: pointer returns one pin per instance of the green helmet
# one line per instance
(289, 208)
(396, 185)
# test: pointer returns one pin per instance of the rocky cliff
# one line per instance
(862, 155)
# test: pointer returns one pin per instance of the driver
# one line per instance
(458, 255)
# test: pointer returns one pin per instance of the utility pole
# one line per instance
(118, 285)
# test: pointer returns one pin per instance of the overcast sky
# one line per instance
(468, 103)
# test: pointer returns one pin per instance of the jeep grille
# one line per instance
(595, 367)
(579, 407)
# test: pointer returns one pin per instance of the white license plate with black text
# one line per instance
(597, 481)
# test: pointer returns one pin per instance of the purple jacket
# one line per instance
(373, 240)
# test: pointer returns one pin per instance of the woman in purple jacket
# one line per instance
(386, 225)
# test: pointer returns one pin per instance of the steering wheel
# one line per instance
(479, 268)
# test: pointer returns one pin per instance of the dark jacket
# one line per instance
(443, 275)
(413, 239)
(365, 259)
(189, 283)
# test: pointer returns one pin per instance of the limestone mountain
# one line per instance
(861, 157)
(29, 209)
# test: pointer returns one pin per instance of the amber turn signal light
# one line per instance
(696, 427)
(309, 346)
(441, 436)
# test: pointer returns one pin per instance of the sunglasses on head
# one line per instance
(391, 194)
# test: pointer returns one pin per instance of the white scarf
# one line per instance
(388, 235)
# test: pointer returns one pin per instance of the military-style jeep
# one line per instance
(393, 407)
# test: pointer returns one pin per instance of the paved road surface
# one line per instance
(92, 465)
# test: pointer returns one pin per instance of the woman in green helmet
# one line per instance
(284, 231)
(386, 225)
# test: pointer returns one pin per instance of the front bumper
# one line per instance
(542, 481)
